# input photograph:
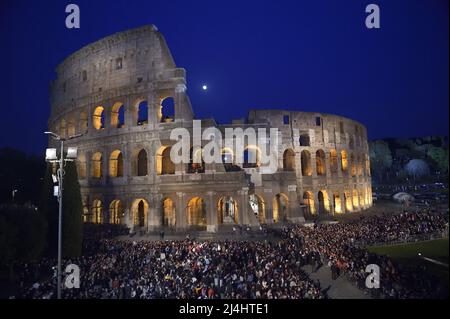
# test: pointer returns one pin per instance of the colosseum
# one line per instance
(125, 94)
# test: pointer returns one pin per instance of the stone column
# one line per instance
(153, 106)
(211, 215)
(181, 212)
(180, 91)
(155, 212)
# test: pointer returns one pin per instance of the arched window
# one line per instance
(337, 203)
(320, 163)
(308, 201)
(227, 210)
(116, 164)
(304, 140)
(81, 166)
(306, 163)
(164, 163)
(252, 157)
(97, 212)
(83, 122)
(71, 127)
(355, 199)
(348, 201)
(142, 113)
(360, 165)
(324, 204)
(258, 207)
(289, 160)
(96, 165)
(142, 165)
(98, 118)
(139, 211)
(194, 158)
(167, 113)
(280, 207)
(196, 211)
(344, 161)
(352, 165)
(118, 115)
(333, 161)
(116, 212)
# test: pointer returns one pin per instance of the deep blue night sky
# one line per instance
(295, 55)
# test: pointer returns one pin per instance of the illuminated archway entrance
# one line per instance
(97, 211)
(280, 207)
(116, 212)
(196, 211)
(258, 207)
(139, 211)
(227, 210)
(324, 203)
(308, 201)
(169, 216)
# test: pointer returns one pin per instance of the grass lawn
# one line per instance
(407, 254)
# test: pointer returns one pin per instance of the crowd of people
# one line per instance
(189, 269)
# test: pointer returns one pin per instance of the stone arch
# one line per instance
(304, 140)
(141, 112)
(333, 161)
(98, 118)
(62, 128)
(81, 166)
(116, 212)
(360, 165)
(97, 165)
(167, 110)
(97, 212)
(118, 115)
(227, 210)
(116, 164)
(348, 201)
(139, 211)
(337, 203)
(280, 206)
(252, 156)
(324, 202)
(169, 212)
(355, 199)
(308, 201)
(305, 157)
(71, 127)
(139, 162)
(289, 160)
(344, 161)
(320, 163)
(164, 164)
(196, 212)
(258, 207)
(352, 165)
(362, 199)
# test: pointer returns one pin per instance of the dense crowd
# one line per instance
(247, 269)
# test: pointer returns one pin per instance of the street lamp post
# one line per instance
(52, 157)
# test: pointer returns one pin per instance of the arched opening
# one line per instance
(97, 165)
(351, 142)
(324, 203)
(306, 163)
(97, 211)
(352, 165)
(169, 215)
(289, 160)
(228, 160)
(337, 203)
(355, 199)
(164, 164)
(83, 122)
(227, 210)
(320, 163)
(308, 201)
(258, 207)
(81, 166)
(86, 215)
(348, 201)
(98, 118)
(362, 199)
(141, 163)
(344, 161)
(196, 163)
(252, 157)
(360, 165)
(304, 140)
(142, 113)
(62, 128)
(167, 110)
(333, 161)
(118, 115)
(280, 207)
(71, 127)
(116, 212)
(196, 212)
(116, 164)
(139, 211)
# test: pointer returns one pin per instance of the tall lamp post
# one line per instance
(52, 157)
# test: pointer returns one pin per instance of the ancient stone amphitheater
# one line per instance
(125, 94)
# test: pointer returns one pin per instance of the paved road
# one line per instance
(341, 288)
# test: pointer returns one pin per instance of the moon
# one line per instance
(204, 87)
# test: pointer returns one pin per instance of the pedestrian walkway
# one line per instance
(341, 288)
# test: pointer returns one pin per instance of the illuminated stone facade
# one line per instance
(125, 93)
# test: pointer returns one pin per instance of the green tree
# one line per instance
(380, 159)
(440, 156)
